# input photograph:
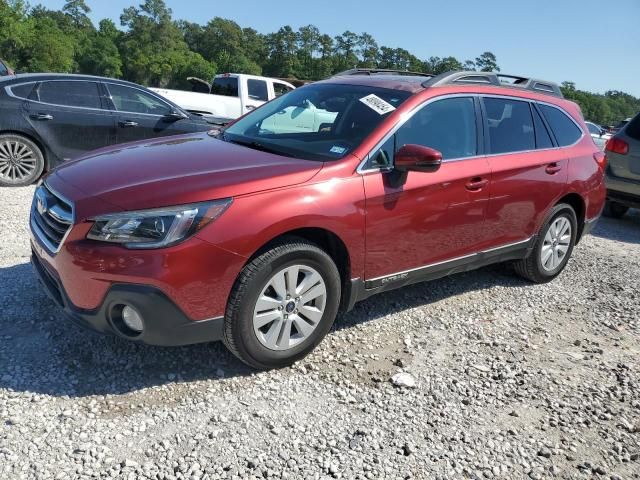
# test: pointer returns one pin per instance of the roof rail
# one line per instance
(496, 79)
(381, 71)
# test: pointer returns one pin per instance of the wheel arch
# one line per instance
(34, 139)
(579, 207)
(325, 239)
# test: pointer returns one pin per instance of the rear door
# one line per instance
(257, 94)
(141, 115)
(431, 217)
(528, 171)
(70, 116)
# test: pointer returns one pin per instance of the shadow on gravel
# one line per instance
(43, 352)
(625, 229)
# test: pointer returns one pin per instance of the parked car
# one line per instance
(598, 133)
(5, 69)
(619, 126)
(230, 96)
(623, 172)
(46, 119)
(258, 238)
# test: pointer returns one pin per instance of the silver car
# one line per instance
(599, 134)
(623, 171)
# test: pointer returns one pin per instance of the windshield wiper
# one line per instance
(256, 146)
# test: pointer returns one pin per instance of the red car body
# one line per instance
(472, 207)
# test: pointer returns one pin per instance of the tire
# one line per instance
(538, 267)
(614, 209)
(21, 161)
(292, 334)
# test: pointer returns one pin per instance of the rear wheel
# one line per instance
(614, 209)
(282, 305)
(553, 246)
(21, 161)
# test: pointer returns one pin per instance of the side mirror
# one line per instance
(417, 158)
(175, 115)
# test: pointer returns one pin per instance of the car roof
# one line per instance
(412, 84)
(37, 77)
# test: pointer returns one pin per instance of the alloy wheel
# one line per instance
(556, 243)
(289, 307)
(17, 161)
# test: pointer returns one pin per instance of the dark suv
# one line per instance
(259, 236)
(46, 119)
(623, 172)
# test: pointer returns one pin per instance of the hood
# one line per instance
(178, 170)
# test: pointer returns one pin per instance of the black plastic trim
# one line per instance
(164, 323)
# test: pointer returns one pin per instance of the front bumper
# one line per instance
(164, 323)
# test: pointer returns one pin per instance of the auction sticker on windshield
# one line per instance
(377, 104)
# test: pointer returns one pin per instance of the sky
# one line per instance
(594, 43)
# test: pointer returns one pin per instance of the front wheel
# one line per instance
(282, 305)
(553, 246)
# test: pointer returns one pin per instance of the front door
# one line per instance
(429, 217)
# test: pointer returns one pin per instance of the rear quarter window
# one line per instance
(633, 128)
(22, 91)
(227, 86)
(564, 129)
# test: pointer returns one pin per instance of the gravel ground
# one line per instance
(500, 379)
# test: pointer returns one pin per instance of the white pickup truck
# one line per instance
(229, 96)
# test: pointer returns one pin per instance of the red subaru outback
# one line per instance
(341, 189)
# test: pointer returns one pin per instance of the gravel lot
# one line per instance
(512, 380)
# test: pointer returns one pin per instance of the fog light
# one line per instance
(132, 319)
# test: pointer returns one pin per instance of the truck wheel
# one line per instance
(282, 305)
(614, 209)
(21, 161)
(553, 246)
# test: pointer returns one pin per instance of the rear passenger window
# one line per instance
(227, 86)
(447, 125)
(70, 94)
(564, 129)
(543, 139)
(633, 128)
(510, 125)
(258, 90)
(22, 91)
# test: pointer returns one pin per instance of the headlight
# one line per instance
(157, 228)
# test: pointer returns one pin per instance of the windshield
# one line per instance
(316, 122)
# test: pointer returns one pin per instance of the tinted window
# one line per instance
(543, 139)
(280, 89)
(132, 100)
(510, 125)
(564, 129)
(22, 91)
(447, 125)
(70, 94)
(633, 128)
(258, 90)
(227, 86)
(3, 70)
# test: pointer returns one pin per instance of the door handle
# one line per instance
(553, 168)
(250, 107)
(128, 124)
(42, 116)
(476, 184)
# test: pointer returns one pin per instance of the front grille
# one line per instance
(51, 218)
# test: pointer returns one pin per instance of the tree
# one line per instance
(77, 10)
(487, 62)
(101, 55)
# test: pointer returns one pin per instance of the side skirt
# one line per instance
(360, 290)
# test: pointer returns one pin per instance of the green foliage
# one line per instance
(607, 109)
(154, 49)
